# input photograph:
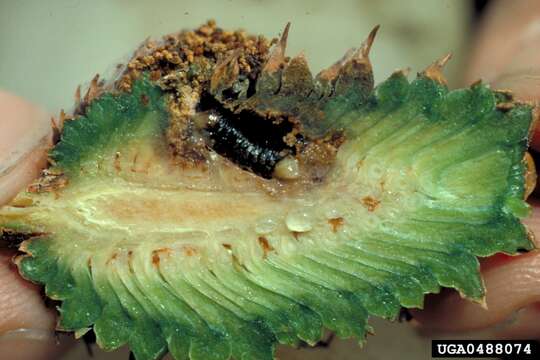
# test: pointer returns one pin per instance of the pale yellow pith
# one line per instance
(137, 198)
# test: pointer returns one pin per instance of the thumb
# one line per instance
(522, 77)
(25, 135)
(505, 55)
(26, 324)
(505, 51)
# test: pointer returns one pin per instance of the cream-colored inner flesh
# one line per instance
(138, 198)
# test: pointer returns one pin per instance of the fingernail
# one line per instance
(524, 82)
(522, 74)
(25, 135)
(31, 344)
(23, 128)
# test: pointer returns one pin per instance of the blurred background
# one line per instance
(48, 48)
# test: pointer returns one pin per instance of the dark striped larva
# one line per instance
(247, 151)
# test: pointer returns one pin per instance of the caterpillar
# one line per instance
(253, 150)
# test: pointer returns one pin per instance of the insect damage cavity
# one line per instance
(254, 142)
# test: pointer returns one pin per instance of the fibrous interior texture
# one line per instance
(217, 263)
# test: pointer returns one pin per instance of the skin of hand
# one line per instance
(26, 324)
(504, 53)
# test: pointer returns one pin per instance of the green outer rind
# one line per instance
(244, 313)
(108, 122)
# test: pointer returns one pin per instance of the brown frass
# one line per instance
(212, 72)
